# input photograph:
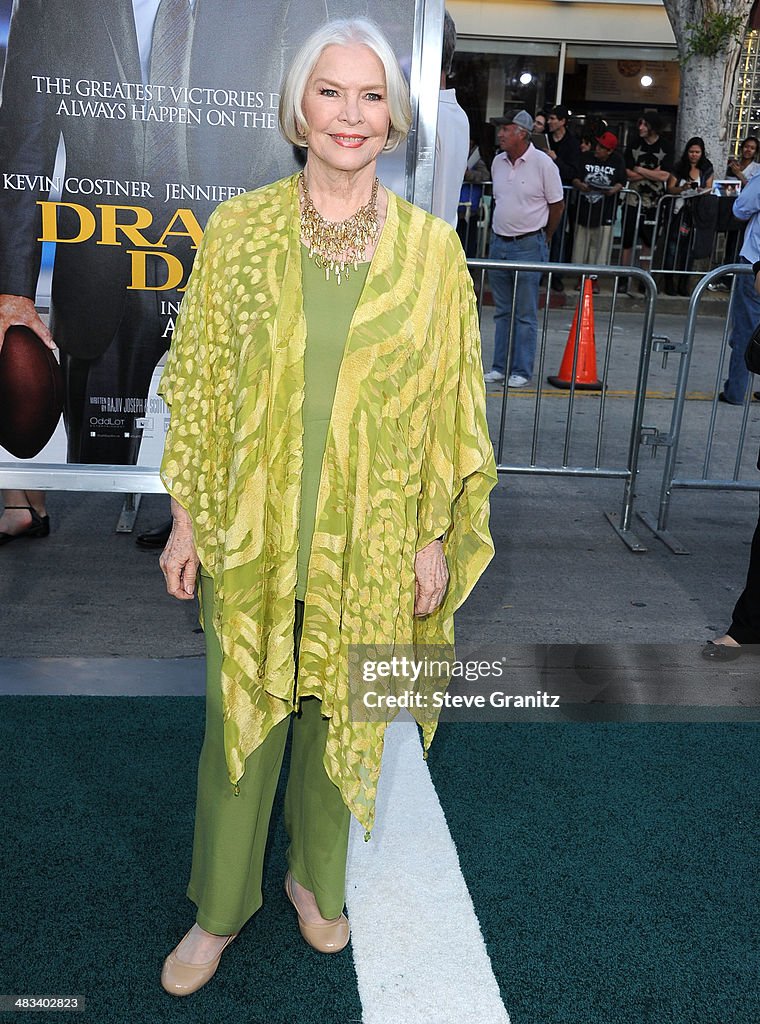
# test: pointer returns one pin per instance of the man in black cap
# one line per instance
(648, 162)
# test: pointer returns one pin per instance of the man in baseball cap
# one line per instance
(608, 140)
(528, 197)
(519, 117)
(601, 179)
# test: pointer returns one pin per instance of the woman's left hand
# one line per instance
(431, 577)
(179, 559)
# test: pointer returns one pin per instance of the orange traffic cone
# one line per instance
(585, 339)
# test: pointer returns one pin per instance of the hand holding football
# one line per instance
(31, 393)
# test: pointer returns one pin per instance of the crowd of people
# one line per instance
(554, 198)
(559, 198)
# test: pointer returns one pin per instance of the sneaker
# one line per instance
(594, 284)
(516, 380)
(494, 377)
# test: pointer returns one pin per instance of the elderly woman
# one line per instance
(329, 466)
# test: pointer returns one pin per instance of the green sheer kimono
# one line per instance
(407, 459)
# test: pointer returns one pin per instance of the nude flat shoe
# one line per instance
(330, 937)
(181, 979)
(721, 652)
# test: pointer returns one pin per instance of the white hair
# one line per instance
(344, 32)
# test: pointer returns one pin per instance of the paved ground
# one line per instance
(560, 572)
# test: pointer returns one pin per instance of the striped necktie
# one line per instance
(165, 143)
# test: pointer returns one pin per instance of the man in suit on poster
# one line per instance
(111, 81)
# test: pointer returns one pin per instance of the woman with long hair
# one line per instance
(745, 165)
(692, 173)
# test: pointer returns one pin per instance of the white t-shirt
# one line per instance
(452, 147)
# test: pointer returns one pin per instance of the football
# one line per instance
(31, 393)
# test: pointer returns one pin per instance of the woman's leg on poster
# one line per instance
(24, 515)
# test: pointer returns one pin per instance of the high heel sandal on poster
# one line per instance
(39, 526)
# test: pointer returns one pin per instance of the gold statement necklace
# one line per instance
(336, 244)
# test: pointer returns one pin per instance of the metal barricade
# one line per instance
(474, 217)
(674, 253)
(577, 213)
(624, 464)
(627, 218)
(686, 243)
(672, 477)
(630, 220)
(485, 213)
(561, 244)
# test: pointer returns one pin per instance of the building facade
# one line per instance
(606, 60)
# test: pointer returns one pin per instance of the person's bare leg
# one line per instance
(725, 641)
(16, 520)
(200, 946)
(306, 904)
(37, 500)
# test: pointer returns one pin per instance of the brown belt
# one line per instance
(516, 238)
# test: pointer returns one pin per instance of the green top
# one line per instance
(329, 308)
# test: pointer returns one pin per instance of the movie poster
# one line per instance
(122, 126)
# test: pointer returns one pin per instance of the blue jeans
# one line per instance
(526, 250)
(746, 316)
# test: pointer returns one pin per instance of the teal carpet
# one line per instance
(613, 868)
(97, 798)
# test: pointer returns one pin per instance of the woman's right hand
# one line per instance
(735, 166)
(179, 561)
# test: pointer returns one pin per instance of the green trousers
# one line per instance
(231, 831)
